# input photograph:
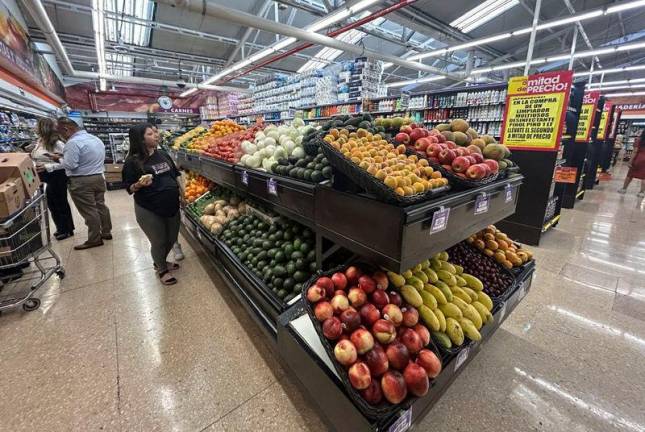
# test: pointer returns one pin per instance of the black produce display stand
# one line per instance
(574, 153)
(594, 151)
(363, 225)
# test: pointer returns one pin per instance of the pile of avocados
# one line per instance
(310, 168)
(354, 122)
(282, 253)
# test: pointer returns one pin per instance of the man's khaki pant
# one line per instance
(88, 194)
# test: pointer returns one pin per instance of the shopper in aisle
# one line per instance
(53, 175)
(83, 160)
(151, 176)
(636, 166)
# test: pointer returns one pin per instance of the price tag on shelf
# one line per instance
(272, 186)
(461, 358)
(508, 193)
(245, 178)
(481, 203)
(403, 423)
(440, 220)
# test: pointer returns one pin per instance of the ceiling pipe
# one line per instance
(210, 8)
(353, 25)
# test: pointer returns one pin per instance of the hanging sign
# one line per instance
(587, 116)
(565, 174)
(604, 121)
(535, 110)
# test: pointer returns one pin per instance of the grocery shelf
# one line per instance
(300, 347)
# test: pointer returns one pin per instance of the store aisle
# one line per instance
(112, 349)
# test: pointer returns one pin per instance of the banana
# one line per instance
(442, 339)
(472, 293)
(416, 268)
(443, 256)
(459, 302)
(432, 275)
(435, 264)
(429, 318)
(454, 331)
(415, 282)
(437, 293)
(445, 265)
(459, 269)
(461, 282)
(411, 295)
(407, 274)
(483, 312)
(458, 292)
(441, 317)
(396, 279)
(451, 311)
(471, 313)
(473, 282)
(421, 276)
(445, 289)
(483, 298)
(425, 264)
(470, 330)
(447, 277)
(428, 299)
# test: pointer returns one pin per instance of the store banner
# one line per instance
(178, 110)
(565, 174)
(604, 121)
(535, 110)
(587, 116)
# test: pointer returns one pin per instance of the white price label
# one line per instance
(440, 220)
(461, 358)
(403, 423)
(245, 178)
(272, 186)
(481, 203)
(508, 193)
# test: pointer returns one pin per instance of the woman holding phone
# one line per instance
(151, 176)
(53, 175)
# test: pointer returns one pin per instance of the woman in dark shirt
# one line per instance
(152, 177)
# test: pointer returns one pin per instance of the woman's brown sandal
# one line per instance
(167, 278)
(169, 265)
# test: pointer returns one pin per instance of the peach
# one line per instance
(357, 297)
(367, 284)
(380, 299)
(315, 293)
(359, 375)
(430, 362)
(384, 331)
(377, 361)
(373, 394)
(395, 298)
(332, 328)
(353, 273)
(323, 311)
(339, 281)
(410, 317)
(397, 355)
(326, 284)
(412, 341)
(351, 320)
(345, 352)
(423, 332)
(339, 303)
(393, 387)
(362, 340)
(381, 280)
(369, 314)
(391, 312)
(416, 379)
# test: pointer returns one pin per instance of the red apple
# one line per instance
(339, 280)
(381, 280)
(440, 137)
(451, 145)
(384, 331)
(339, 292)
(373, 394)
(410, 317)
(359, 375)
(327, 284)
(376, 359)
(485, 168)
(433, 150)
(323, 311)
(339, 303)
(332, 328)
(380, 298)
(461, 151)
(413, 125)
(402, 138)
(446, 156)
(432, 138)
(406, 129)
(369, 315)
(492, 164)
(353, 273)
(357, 297)
(315, 293)
(351, 320)
(393, 387)
(412, 341)
(476, 172)
(460, 164)
(345, 352)
(397, 355)
(362, 340)
(422, 144)
(430, 362)
(416, 379)
(423, 333)
(477, 157)
(392, 312)
(367, 284)
(416, 134)
(395, 298)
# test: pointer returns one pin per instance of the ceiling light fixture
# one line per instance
(481, 14)
(618, 87)
(98, 25)
(638, 93)
(610, 71)
(188, 92)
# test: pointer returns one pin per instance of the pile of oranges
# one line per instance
(218, 129)
(196, 186)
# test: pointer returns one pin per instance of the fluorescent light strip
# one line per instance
(188, 92)
(482, 13)
(98, 26)
(610, 71)
(619, 87)
(627, 81)
(625, 6)
(571, 19)
(414, 81)
(639, 93)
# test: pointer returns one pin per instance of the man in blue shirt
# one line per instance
(83, 160)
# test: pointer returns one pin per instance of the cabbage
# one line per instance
(268, 151)
(279, 153)
(259, 136)
(244, 159)
(299, 140)
(294, 134)
(284, 129)
(298, 153)
(269, 141)
(303, 129)
(298, 122)
(268, 163)
(273, 134)
(270, 128)
(261, 144)
(248, 147)
(283, 139)
(253, 161)
(289, 146)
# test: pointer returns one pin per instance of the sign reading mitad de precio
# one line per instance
(587, 116)
(535, 110)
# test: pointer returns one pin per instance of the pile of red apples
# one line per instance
(378, 338)
(466, 162)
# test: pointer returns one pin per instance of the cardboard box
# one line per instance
(112, 177)
(12, 197)
(20, 165)
(114, 168)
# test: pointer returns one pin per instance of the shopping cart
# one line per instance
(27, 260)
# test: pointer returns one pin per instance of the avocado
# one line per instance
(327, 172)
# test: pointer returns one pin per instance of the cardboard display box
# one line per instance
(20, 166)
(113, 168)
(12, 197)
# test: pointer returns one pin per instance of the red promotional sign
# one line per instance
(604, 121)
(565, 174)
(535, 111)
(587, 116)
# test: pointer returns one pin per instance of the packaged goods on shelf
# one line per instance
(359, 79)
(326, 91)
(418, 102)
(16, 129)
(246, 104)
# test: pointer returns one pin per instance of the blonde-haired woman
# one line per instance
(53, 175)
